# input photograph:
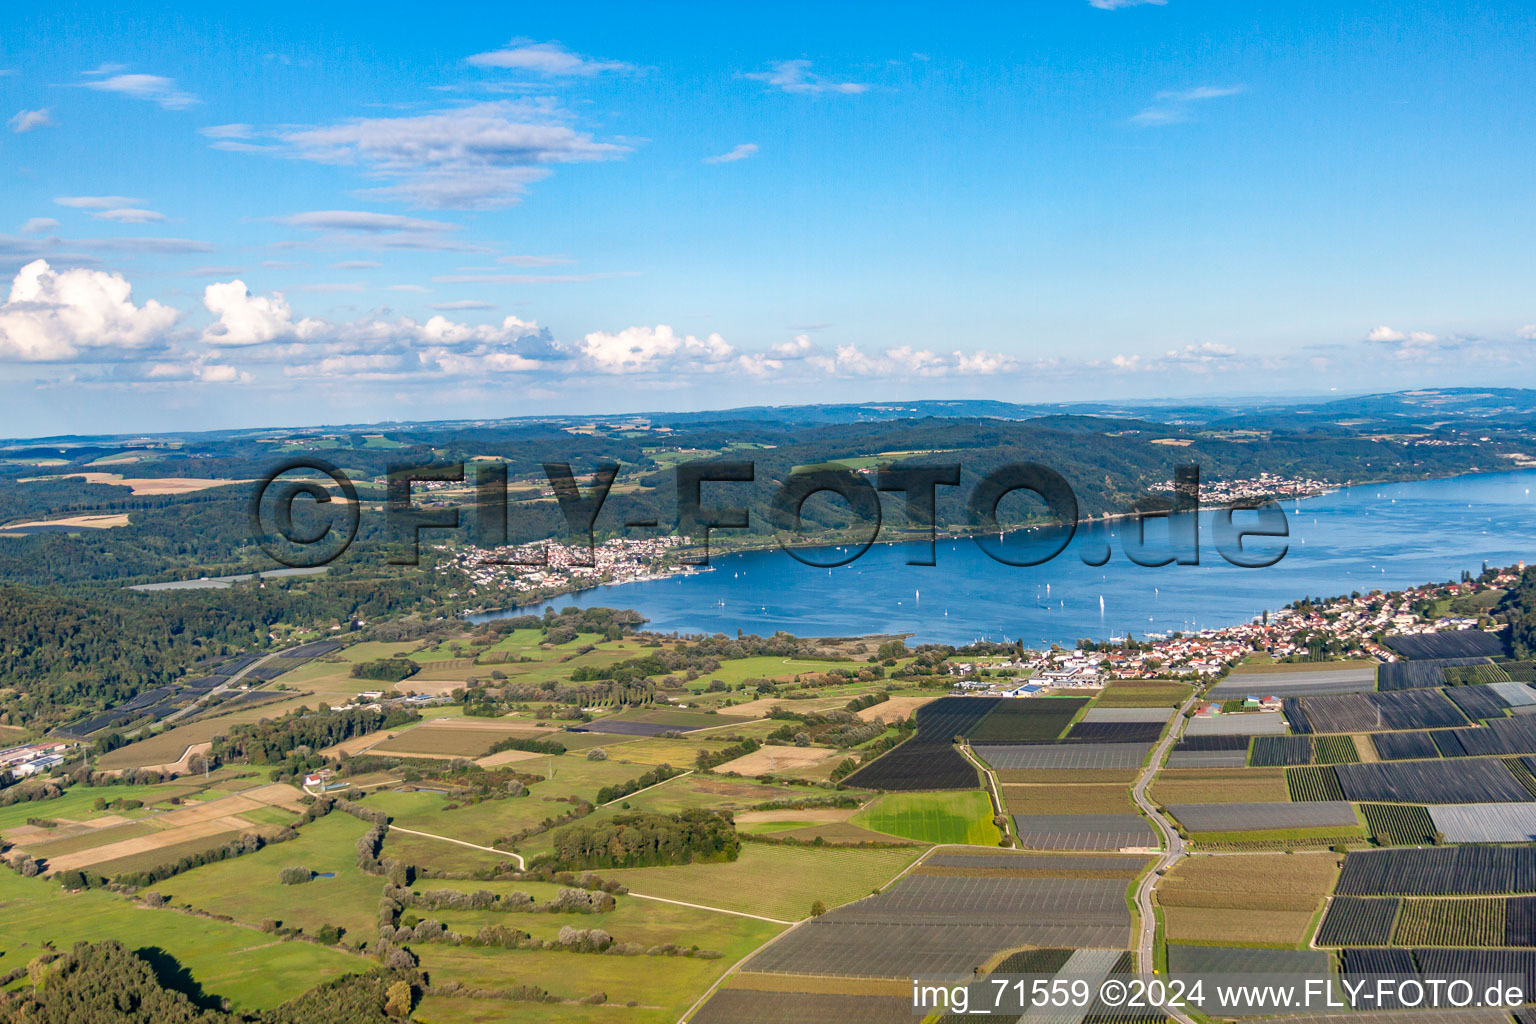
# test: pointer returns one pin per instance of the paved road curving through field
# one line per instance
(1173, 850)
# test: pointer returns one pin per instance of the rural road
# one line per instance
(1173, 849)
(521, 864)
(997, 800)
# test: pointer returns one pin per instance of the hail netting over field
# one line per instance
(1247, 723)
(1404, 746)
(1209, 751)
(928, 760)
(1477, 701)
(752, 1006)
(1462, 643)
(1447, 963)
(1332, 679)
(1249, 817)
(1190, 961)
(1024, 719)
(1500, 736)
(1358, 921)
(1102, 714)
(1083, 831)
(1485, 823)
(1115, 732)
(1514, 695)
(1313, 782)
(929, 924)
(1468, 781)
(1442, 871)
(1084, 756)
(1408, 675)
(1274, 751)
(1370, 712)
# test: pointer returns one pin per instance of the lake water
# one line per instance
(1359, 538)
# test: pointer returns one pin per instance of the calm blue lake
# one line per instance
(1361, 538)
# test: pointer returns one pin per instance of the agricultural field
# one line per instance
(1277, 751)
(1442, 871)
(934, 923)
(773, 880)
(252, 969)
(1465, 781)
(928, 761)
(1141, 693)
(1084, 799)
(1037, 718)
(1298, 680)
(1116, 732)
(1401, 824)
(1063, 756)
(1252, 817)
(964, 817)
(1462, 643)
(1218, 785)
(1242, 723)
(1358, 921)
(247, 888)
(1457, 922)
(1404, 746)
(1334, 750)
(1084, 831)
(1315, 782)
(1256, 898)
(1485, 823)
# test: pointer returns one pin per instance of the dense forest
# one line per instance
(270, 741)
(645, 839)
(105, 983)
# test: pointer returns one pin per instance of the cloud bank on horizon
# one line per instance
(516, 219)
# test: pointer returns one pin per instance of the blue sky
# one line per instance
(310, 213)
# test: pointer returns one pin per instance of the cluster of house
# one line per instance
(549, 565)
(374, 700)
(1265, 485)
(32, 758)
(1353, 625)
(1211, 709)
(322, 782)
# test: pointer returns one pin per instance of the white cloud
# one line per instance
(39, 226)
(227, 131)
(357, 265)
(1391, 335)
(154, 88)
(130, 215)
(27, 120)
(197, 370)
(96, 202)
(741, 152)
(649, 349)
(1197, 358)
(1173, 106)
(1198, 93)
(1528, 332)
(549, 59)
(60, 315)
(363, 220)
(535, 261)
(795, 76)
(1115, 5)
(246, 319)
(480, 156)
(462, 304)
